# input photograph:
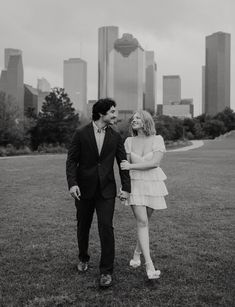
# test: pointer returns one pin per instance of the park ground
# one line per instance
(191, 241)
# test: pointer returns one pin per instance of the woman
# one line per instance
(144, 151)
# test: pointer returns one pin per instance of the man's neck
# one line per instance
(100, 124)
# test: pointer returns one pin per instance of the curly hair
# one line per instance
(101, 107)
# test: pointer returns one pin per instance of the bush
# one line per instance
(51, 148)
(213, 128)
(10, 150)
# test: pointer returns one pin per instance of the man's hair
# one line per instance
(148, 123)
(101, 107)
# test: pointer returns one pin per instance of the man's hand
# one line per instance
(75, 192)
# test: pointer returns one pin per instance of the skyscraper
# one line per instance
(217, 72)
(12, 78)
(15, 82)
(203, 88)
(107, 37)
(8, 52)
(171, 89)
(173, 105)
(30, 100)
(43, 85)
(126, 82)
(150, 82)
(75, 83)
(3, 81)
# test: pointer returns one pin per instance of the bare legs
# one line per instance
(142, 215)
(138, 251)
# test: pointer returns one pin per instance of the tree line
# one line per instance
(57, 121)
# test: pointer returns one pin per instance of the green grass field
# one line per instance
(191, 241)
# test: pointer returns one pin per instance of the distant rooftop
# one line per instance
(171, 76)
(75, 60)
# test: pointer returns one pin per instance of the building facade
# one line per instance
(217, 72)
(75, 83)
(127, 75)
(43, 85)
(12, 79)
(150, 82)
(171, 89)
(106, 38)
(30, 100)
(203, 88)
(9, 52)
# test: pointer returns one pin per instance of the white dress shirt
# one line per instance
(99, 136)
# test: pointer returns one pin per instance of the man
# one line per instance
(91, 182)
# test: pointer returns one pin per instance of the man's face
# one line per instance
(110, 117)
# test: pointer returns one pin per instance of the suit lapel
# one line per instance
(106, 140)
(92, 138)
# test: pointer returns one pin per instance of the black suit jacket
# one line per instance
(86, 168)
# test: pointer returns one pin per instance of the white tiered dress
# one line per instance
(147, 186)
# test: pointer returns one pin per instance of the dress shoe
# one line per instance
(105, 280)
(82, 266)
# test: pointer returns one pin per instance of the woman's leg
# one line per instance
(141, 216)
(137, 251)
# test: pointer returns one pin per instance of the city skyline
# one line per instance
(178, 40)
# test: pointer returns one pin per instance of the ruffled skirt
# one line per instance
(148, 188)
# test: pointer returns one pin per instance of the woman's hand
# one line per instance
(125, 165)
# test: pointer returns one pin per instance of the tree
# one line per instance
(227, 116)
(213, 128)
(171, 128)
(57, 120)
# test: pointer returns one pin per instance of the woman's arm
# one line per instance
(153, 163)
(128, 157)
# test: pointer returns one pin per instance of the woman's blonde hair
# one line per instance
(148, 123)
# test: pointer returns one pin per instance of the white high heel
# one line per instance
(153, 274)
(135, 263)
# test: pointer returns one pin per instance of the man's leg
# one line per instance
(85, 211)
(105, 210)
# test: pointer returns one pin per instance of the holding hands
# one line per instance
(125, 165)
(123, 195)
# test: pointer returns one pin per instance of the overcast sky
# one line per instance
(50, 31)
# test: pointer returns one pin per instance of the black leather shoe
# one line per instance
(105, 280)
(82, 266)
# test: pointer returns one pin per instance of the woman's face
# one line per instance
(136, 122)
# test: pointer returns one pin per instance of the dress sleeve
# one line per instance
(158, 144)
(127, 145)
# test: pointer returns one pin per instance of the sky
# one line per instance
(51, 31)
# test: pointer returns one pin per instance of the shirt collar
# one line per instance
(97, 129)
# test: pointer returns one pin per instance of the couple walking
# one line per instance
(90, 176)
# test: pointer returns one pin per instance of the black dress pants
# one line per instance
(104, 210)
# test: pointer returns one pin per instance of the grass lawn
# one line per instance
(191, 241)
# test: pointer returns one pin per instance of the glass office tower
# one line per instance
(75, 83)
(127, 75)
(217, 73)
(106, 36)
